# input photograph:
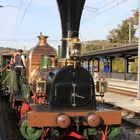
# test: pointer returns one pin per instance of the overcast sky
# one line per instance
(21, 21)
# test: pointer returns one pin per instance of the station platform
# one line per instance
(122, 101)
(123, 83)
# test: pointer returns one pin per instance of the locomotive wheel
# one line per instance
(30, 133)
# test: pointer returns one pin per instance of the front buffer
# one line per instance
(74, 124)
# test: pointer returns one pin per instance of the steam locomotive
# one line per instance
(57, 100)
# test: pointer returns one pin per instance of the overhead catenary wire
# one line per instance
(25, 39)
(12, 42)
(20, 6)
(112, 22)
(99, 13)
(109, 8)
(93, 9)
(90, 8)
(23, 16)
(105, 5)
(24, 43)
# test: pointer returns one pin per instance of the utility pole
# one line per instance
(1, 6)
(24, 48)
(129, 23)
(138, 92)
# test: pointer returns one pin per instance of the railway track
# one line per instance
(122, 92)
(131, 122)
(130, 118)
(10, 122)
(130, 127)
(2, 130)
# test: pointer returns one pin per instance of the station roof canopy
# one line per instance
(122, 51)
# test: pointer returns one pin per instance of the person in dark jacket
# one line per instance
(19, 66)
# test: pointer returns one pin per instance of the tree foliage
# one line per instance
(95, 45)
(121, 33)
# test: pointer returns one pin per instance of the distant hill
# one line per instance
(5, 50)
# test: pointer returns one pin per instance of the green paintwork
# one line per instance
(45, 61)
(13, 81)
(54, 132)
(113, 132)
(30, 133)
(8, 78)
(4, 63)
(25, 90)
(6, 73)
(91, 132)
(59, 52)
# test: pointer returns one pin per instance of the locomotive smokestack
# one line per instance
(70, 14)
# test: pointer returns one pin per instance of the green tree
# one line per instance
(121, 33)
(94, 45)
(135, 17)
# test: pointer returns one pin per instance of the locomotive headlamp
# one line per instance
(75, 48)
(101, 86)
(41, 88)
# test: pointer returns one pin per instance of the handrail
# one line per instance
(6, 78)
(5, 67)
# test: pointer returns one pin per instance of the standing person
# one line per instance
(14, 55)
(12, 62)
(19, 66)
